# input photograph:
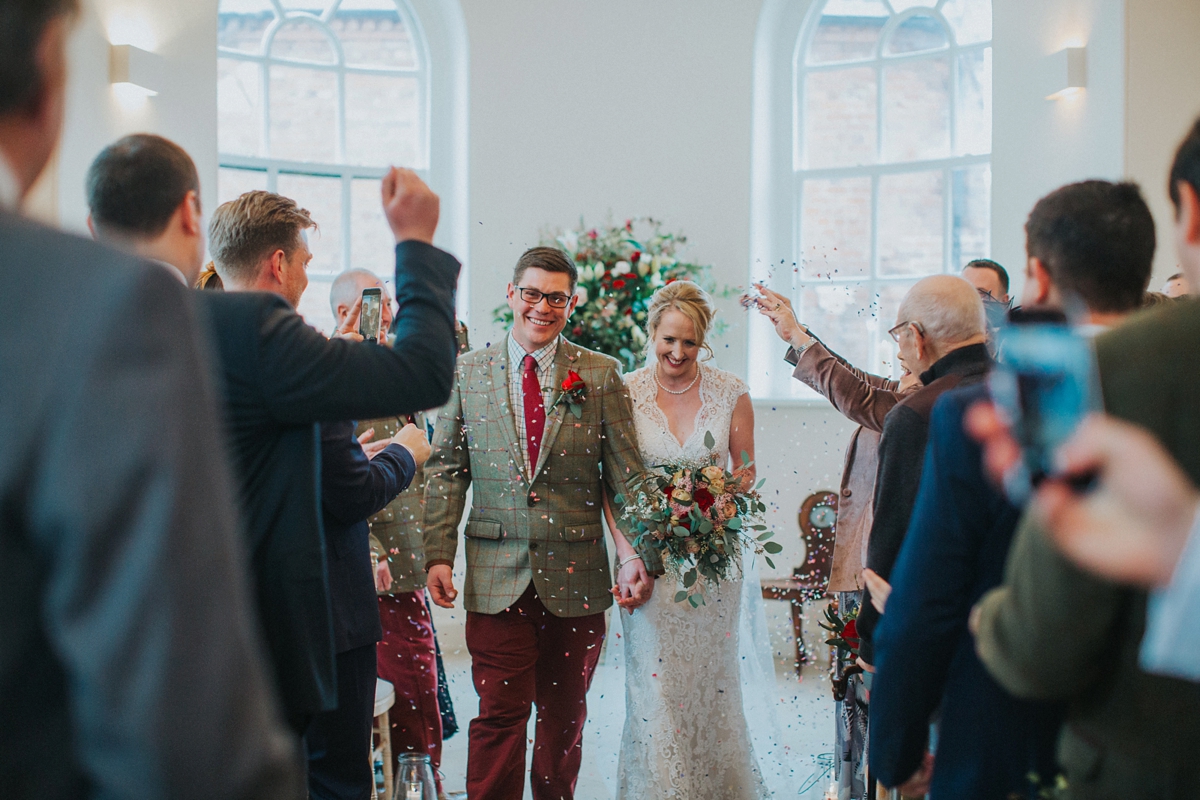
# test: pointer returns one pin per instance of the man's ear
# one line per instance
(277, 267)
(92, 228)
(1041, 279)
(1189, 213)
(189, 214)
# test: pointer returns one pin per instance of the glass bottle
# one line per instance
(414, 778)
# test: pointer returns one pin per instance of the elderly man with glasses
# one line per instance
(942, 334)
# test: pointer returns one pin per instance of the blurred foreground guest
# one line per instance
(941, 330)
(406, 654)
(1054, 631)
(865, 399)
(1177, 285)
(353, 488)
(130, 663)
(1093, 241)
(280, 376)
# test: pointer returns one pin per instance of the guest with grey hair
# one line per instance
(942, 332)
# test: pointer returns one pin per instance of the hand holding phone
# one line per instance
(371, 313)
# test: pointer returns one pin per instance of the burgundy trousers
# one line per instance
(405, 658)
(521, 657)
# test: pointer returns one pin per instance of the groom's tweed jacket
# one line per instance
(548, 531)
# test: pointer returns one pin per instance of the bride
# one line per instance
(686, 734)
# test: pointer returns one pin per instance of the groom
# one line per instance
(538, 578)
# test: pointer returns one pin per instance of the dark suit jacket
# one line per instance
(1054, 631)
(130, 664)
(280, 377)
(954, 551)
(901, 454)
(352, 489)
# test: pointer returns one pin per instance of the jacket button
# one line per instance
(533, 545)
(846, 493)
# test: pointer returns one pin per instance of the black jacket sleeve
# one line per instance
(354, 487)
(308, 378)
(901, 453)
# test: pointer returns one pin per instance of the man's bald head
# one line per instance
(348, 287)
(939, 314)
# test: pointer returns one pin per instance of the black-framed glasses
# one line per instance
(896, 331)
(533, 297)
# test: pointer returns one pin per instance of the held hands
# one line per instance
(383, 576)
(441, 586)
(918, 783)
(372, 449)
(410, 206)
(880, 589)
(634, 585)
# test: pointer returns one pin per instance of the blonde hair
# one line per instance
(688, 299)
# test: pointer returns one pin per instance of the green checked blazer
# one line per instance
(547, 530)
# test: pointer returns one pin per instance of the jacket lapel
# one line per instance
(564, 359)
(498, 398)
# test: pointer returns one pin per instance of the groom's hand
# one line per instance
(410, 206)
(634, 585)
(441, 586)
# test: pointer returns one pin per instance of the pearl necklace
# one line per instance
(684, 390)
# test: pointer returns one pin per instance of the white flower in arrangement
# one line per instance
(638, 335)
(582, 293)
(643, 267)
(621, 268)
(570, 241)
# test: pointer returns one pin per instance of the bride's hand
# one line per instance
(745, 478)
(634, 585)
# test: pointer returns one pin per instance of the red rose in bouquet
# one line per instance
(703, 498)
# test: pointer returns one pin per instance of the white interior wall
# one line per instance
(1162, 100)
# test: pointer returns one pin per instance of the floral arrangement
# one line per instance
(699, 517)
(573, 392)
(845, 632)
(620, 267)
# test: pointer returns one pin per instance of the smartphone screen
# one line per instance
(369, 316)
(1046, 381)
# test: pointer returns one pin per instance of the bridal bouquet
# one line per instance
(700, 518)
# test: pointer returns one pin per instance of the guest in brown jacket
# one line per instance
(865, 399)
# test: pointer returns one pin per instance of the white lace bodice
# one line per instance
(719, 393)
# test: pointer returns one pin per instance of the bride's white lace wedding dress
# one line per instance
(686, 735)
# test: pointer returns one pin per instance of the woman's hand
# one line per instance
(634, 585)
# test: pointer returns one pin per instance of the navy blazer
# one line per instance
(954, 551)
(352, 489)
(279, 379)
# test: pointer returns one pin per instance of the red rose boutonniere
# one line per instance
(573, 392)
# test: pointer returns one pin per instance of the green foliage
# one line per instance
(620, 267)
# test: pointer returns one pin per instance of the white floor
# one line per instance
(805, 710)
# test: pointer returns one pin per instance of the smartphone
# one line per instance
(369, 316)
(1046, 381)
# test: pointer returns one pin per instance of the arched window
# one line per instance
(890, 165)
(315, 99)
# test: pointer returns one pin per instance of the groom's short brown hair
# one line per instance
(550, 259)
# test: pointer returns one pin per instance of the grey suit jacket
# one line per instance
(130, 661)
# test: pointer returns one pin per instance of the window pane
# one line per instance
(837, 313)
(911, 223)
(840, 117)
(916, 110)
(970, 19)
(314, 304)
(972, 213)
(835, 229)
(904, 5)
(242, 23)
(303, 41)
(888, 303)
(239, 107)
(314, 7)
(372, 246)
(917, 33)
(233, 183)
(383, 120)
(323, 199)
(373, 34)
(303, 114)
(848, 31)
(973, 117)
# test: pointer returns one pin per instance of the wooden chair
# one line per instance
(809, 581)
(381, 735)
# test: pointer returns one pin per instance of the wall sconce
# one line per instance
(132, 70)
(1065, 73)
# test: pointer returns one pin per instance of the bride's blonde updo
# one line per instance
(688, 299)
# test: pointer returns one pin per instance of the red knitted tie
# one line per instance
(535, 410)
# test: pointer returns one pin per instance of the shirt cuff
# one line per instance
(1171, 644)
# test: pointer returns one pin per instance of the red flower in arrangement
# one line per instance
(618, 284)
(636, 257)
(572, 382)
(629, 225)
(850, 633)
(592, 234)
(577, 330)
(703, 498)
